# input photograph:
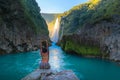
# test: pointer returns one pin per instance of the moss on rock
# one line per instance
(82, 49)
(71, 44)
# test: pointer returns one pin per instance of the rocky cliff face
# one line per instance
(92, 29)
(50, 19)
(21, 26)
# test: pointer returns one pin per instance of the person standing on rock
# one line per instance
(45, 55)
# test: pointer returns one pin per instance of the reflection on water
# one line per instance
(55, 57)
(55, 62)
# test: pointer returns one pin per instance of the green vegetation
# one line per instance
(80, 48)
(0, 19)
(91, 12)
(33, 16)
(91, 22)
(21, 26)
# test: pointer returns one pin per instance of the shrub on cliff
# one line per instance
(32, 12)
(90, 12)
(21, 26)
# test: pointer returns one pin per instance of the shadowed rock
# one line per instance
(21, 26)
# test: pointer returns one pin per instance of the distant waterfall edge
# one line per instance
(55, 34)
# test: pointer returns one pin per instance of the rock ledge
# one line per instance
(48, 74)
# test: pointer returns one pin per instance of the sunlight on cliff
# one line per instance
(93, 3)
(50, 28)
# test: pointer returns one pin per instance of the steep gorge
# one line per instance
(92, 29)
(21, 26)
(50, 19)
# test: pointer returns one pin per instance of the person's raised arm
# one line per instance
(47, 46)
(40, 47)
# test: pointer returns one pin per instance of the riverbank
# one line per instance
(88, 46)
(85, 68)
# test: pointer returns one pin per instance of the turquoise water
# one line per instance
(16, 66)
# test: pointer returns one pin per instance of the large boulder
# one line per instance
(48, 74)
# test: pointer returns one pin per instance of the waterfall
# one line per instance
(55, 34)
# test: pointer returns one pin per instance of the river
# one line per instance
(16, 66)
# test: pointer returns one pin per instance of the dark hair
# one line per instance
(44, 47)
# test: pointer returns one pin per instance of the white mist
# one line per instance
(55, 34)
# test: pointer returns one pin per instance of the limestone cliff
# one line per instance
(92, 29)
(21, 26)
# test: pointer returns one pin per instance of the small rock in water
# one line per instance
(47, 74)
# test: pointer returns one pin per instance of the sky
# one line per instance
(57, 6)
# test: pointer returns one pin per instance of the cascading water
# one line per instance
(55, 34)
